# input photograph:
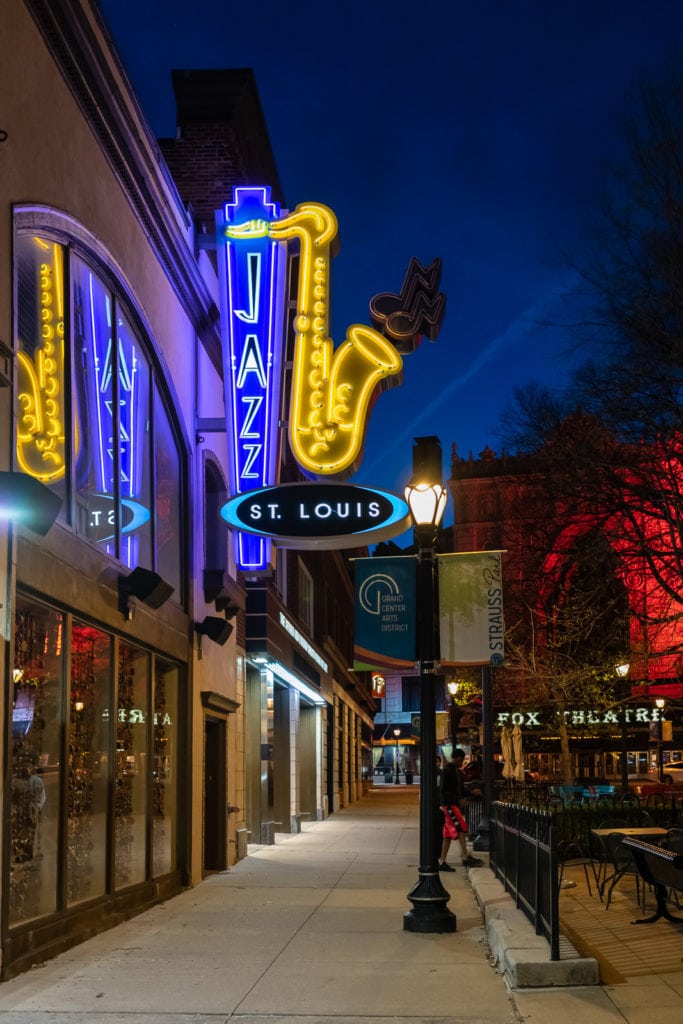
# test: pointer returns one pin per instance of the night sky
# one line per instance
(477, 132)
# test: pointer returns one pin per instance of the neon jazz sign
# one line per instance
(331, 390)
(252, 269)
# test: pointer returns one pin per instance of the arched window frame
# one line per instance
(61, 229)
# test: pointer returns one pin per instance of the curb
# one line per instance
(518, 953)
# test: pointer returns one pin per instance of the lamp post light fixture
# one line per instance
(397, 780)
(426, 497)
(660, 704)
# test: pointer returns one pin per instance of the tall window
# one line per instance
(306, 597)
(91, 419)
(36, 778)
(88, 759)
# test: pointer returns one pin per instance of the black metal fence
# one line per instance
(524, 857)
(530, 839)
(574, 819)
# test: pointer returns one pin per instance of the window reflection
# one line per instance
(88, 763)
(130, 798)
(134, 448)
(165, 770)
(168, 497)
(95, 476)
(35, 791)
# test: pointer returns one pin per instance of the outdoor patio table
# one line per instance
(644, 832)
(652, 833)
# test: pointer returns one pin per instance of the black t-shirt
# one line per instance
(452, 784)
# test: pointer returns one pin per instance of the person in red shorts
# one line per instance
(451, 799)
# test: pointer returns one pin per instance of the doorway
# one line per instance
(215, 795)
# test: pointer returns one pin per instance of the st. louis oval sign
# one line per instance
(319, 515)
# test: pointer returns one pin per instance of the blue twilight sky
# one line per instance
(475, 131)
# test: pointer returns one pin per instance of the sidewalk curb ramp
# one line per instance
(518, 953)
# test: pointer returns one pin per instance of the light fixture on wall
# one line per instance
(214, 628)
(142, 585)
(27, 501)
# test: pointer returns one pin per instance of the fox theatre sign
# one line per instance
(578, 718)
(332, 390)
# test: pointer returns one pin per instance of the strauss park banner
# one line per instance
(470, 611)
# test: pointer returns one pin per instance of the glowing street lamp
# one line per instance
(452, 687)
(397, 733)
(426, 497)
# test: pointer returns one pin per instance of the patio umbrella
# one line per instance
(506, 751)
(517, 754)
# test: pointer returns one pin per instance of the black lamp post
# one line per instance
(482, 841)
(622, 672)
(660, 703)
(397, 779)
(452, 687)
(426, 497)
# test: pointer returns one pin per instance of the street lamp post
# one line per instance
(426, 497)
(397, 779)
(660, 702)
(622, 672)
(482, 840)
(453, 686)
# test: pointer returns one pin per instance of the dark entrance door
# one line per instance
(215, 810)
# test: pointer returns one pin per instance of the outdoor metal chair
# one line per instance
(573, 854)
(623, 863)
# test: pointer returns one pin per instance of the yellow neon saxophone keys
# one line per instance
(331, 390)
(41, 446)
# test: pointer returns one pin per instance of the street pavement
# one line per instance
(307, 931)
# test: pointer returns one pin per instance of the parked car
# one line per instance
(671, 772)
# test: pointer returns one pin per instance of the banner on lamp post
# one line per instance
(385, 611)
(471, 624)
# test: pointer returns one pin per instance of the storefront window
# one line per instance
(134, 448)
(130, 797)
(37, 718)
(168, 497)
(88, 762)
(165, 770)
(94, 455)
(126, 496)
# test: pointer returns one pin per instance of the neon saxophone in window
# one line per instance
(41, 445)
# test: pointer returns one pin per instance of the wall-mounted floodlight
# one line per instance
(24, 500)
(142, 585)
(215, 628)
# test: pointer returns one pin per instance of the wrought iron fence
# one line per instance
(530, 839)
(524, 857)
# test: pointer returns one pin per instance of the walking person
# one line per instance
(453, 801)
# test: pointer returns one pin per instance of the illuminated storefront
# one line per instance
(131, 689)
(106, 312)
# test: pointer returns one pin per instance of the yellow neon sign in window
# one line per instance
(40, 423)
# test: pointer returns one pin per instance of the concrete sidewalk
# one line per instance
(307, 931)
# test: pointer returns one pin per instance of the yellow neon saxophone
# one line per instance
(41, 445)
(331, 390)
